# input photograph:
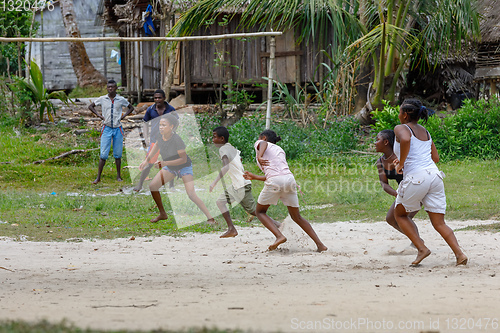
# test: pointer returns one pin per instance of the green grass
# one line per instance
(56, 200)
(63, 327)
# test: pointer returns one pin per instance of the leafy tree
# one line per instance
(401, 29)
(14, 24)
(383, 33)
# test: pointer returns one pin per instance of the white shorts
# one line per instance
(279, 187)
(425, 188)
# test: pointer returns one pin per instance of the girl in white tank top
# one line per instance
(416, 159)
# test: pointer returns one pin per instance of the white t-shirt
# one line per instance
(236, 170)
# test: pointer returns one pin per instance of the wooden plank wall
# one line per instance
(293, 63)
(55, 61)
(151, 77)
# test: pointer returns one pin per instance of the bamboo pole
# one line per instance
(270, 81)
(136, 39)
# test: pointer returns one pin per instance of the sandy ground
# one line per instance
(363, 283)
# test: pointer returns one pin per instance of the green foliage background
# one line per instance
(14, 24)
(470, 132)
(309, 142)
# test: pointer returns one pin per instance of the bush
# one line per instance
(472, 132)
(16, 105)
(387, 118)
(339, 135)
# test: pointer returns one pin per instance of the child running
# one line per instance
(240, 190)
(175, 163)
(279, 184)
(386, 171)
(423, 182)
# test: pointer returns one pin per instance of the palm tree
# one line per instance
(85, 72)
(423, 30)
(386, 33)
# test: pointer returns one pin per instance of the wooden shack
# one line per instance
(54, 58)
(488, 56)
(200, 68)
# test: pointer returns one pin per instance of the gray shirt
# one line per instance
(112, 109)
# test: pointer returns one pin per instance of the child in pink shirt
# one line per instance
(279, 184)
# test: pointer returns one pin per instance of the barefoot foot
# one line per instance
(159, 218)
(279, 240)
(421, 256)
(462, 260)
(119, 179)
(211, 221)
(322, 248)
(96, 181)
(229, 233)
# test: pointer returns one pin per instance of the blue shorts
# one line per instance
(108, 135)
(182, 172)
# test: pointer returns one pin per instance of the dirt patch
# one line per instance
(363, 283)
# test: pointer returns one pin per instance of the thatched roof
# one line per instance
(490, 22)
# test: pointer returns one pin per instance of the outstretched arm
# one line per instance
(251, 176)
(223, 171)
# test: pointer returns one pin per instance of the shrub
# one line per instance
(473, 131)
(340, 135)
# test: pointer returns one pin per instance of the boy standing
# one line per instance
(241, 189)
(112, 131)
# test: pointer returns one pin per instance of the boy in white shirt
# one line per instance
(240, 189)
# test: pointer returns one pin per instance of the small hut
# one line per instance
(488, 57)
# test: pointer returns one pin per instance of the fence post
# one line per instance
(272, 52)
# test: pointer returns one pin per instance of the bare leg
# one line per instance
(99, 171)
(391, 219)
(118, 162)
(448, 235)
(261, 212)
(406, 226)
(189, 185)
(306, 226)
(144, 174)
(231, 230)
(276, 223)
(157, 182)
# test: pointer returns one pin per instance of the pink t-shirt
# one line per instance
(277, 160)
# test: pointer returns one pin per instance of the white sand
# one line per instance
(201, 280)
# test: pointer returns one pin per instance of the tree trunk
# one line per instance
(85, 72)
